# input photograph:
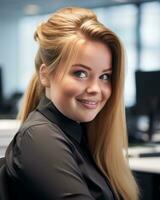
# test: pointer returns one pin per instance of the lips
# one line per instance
(90, 104)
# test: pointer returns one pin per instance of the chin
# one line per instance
(87, 119)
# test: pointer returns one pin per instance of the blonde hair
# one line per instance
(59, 40)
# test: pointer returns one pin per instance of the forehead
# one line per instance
(93, 54)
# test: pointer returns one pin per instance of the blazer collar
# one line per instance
(70, 127)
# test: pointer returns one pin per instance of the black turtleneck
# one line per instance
(49, 159)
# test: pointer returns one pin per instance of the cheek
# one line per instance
(107, 91)
(70, 91)
(70, 88)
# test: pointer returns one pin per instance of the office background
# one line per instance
(137, 23)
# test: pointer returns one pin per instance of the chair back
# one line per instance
(4, 194)
(2, 161)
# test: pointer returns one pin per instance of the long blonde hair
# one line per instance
(59, 39)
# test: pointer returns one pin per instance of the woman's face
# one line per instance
(86, 86)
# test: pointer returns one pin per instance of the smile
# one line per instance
(88, 103)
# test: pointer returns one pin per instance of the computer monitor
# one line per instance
(1, 85)
(148, 96)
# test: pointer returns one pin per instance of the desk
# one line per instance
(146, 164)
(8, 128)
(146, 171)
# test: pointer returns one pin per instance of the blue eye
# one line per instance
(105, 77)
(80, 74)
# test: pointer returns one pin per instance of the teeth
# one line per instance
(88, 102)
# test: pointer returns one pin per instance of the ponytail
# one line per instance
(31, 98)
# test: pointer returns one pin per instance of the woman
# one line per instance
(71, 142)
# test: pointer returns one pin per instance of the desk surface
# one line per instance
(8, 127)
(144, 164)
(149, 165)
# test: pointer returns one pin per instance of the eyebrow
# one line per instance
(88, 68)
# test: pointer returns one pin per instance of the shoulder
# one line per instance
(36, 121)
(38, 134)
(38, 141)
(38, 126)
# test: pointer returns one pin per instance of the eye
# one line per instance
(105, 77)
(80, 74)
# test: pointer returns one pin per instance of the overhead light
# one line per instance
(121, 1)
(31, 9)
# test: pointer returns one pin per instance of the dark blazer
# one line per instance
(49, 159)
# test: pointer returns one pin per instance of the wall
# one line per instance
(8, 52)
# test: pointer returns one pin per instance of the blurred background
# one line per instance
(137, 23)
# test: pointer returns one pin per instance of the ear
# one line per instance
(44, 76)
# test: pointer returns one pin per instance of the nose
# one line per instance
(93, 87)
